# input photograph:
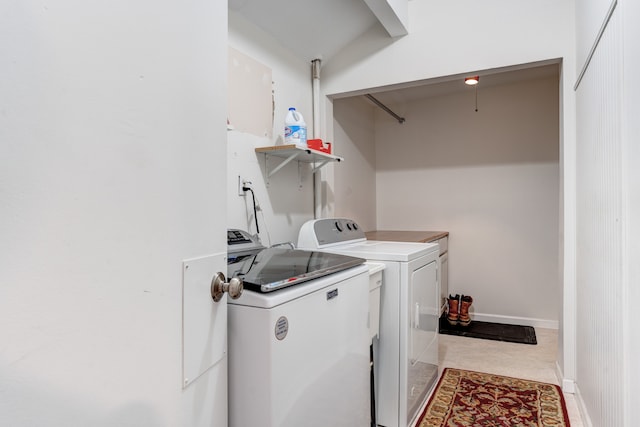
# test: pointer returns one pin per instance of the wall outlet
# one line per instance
(240, 185)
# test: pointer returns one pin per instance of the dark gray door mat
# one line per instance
(491, 331)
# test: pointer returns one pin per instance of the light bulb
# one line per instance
(472, 80)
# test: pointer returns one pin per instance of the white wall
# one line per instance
(607, 216)
(599, 234)
(448, 38)
(109, 126)
(355, 192)
(630, 12)
(286, 198)
(451, 38)
(489, 178)
(589, 21)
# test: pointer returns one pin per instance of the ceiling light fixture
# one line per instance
(473, 80)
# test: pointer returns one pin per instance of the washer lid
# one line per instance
(275, 268)
(375, 250)
(282, 296)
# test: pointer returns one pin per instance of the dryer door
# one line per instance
(424, 312)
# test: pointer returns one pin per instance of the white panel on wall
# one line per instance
(600, 356)
(204, 321)
(250, 97)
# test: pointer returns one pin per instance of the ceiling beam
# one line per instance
(392, 14)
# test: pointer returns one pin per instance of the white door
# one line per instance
(204, 327)
(112, 182)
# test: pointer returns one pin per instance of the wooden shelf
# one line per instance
(292, 152)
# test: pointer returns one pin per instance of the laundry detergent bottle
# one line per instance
(295, 129)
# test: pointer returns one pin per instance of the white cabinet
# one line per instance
(443, 244)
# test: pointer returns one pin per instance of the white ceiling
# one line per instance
(318, 29)
(311, 29)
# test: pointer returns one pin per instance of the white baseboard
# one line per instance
(568, 386)
(586, 421)
(513, 320)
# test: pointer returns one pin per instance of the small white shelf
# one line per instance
(292, 152)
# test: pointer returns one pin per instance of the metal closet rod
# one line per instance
(385, 108)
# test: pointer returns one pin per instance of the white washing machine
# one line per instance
(406, 352)
(298, 338)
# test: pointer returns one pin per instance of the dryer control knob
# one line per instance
(338, 226)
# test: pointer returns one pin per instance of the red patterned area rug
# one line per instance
(474, 399)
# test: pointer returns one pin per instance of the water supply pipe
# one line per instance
(315, 88)
(315, 73)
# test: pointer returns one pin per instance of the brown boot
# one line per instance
(465, 303)
(452, 315)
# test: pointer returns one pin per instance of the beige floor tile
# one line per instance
(534, 362)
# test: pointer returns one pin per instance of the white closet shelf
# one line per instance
(293, 152)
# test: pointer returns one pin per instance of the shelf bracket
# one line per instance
(289, 153)
(281, 165)
(299, 176)
(318, 167)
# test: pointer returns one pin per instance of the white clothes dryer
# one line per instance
(406, 352)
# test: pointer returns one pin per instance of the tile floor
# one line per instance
(534, 362)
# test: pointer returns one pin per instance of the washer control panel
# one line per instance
(239, 241)
(328, 231)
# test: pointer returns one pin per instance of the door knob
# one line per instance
(219, 286)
